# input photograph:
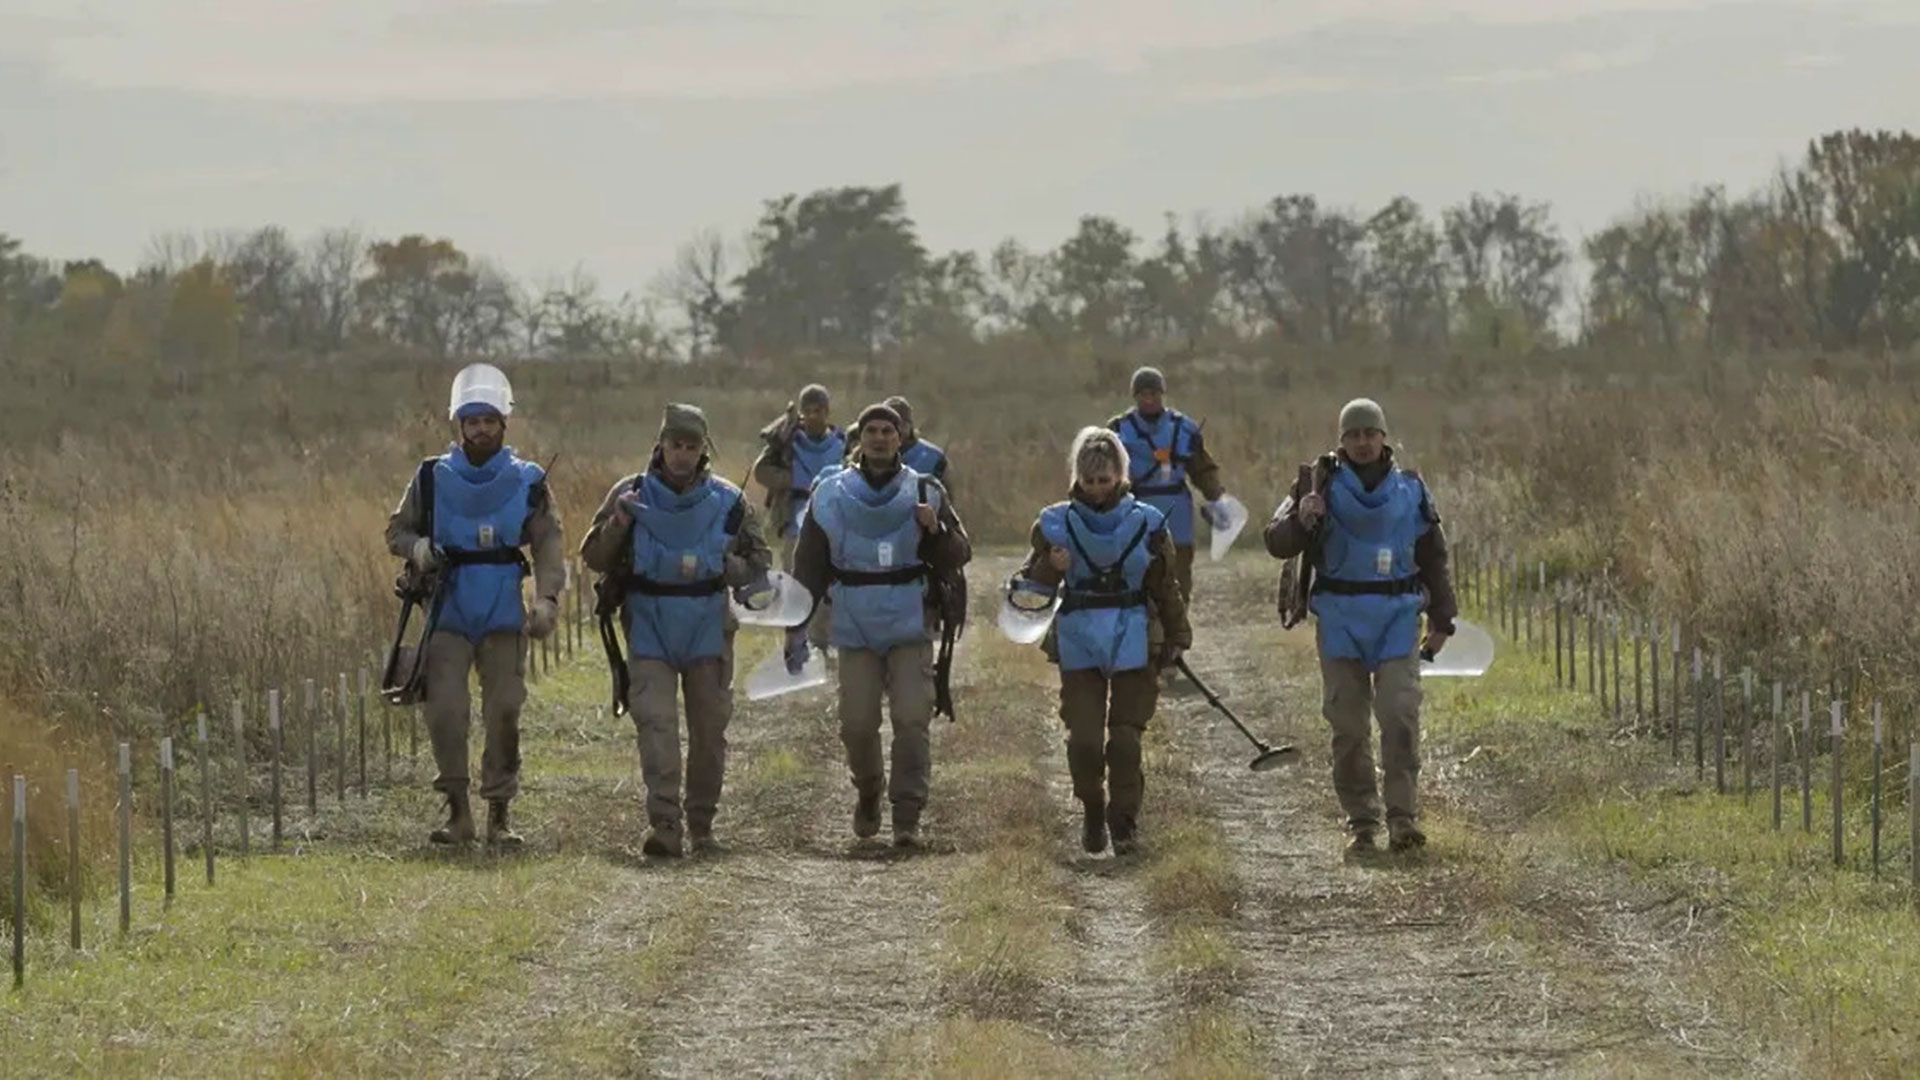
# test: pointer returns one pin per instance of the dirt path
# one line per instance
(796, 951)
(1417, 965)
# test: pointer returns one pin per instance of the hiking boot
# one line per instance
(1093, 831)
(1404, 835)
(906, 826)
(866, 816)
(459, 826)
(663, 841)
(700, 837)
(1125, 837)
(1360, 839)
(499, 833)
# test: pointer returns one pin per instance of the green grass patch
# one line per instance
(964, 1048)
(328, 964)
(1003, 943)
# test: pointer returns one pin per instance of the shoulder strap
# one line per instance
(423, 490)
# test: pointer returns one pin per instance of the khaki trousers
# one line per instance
(501, 659)
(1105, 719)
(1393, 696)
(708, 685)
(904, 674)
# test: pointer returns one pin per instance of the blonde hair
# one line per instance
(1093, 448)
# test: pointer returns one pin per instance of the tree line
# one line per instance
(1825, 254)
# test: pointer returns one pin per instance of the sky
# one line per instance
(600, 134)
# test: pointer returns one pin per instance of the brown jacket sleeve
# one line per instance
(407, 521)
(750, 556)
(544, 535)
(1432, 561)
(813, 559)
(605, 541)
(951, 548)
(1284, 535)
(1039, 568)
(1203, 471)
(1163, 593)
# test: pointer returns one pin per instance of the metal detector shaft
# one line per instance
(1213, 699)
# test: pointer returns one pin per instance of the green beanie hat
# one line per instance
(685, 420)
(1149, 378)
(1361, 414)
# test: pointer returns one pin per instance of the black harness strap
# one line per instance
(1396, 587)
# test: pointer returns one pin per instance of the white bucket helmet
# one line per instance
(480, 387)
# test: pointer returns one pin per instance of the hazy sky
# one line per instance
(603, 133)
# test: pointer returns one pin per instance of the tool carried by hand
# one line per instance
(1269, 757)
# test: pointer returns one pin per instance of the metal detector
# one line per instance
(1269, 757)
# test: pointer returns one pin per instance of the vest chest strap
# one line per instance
(488, 557)
(1396, 587)
(649, 587)
(905, 575)
(1089, 600)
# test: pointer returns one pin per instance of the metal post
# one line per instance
(126, 837)
(277, 745)
(245, 782)
(1877, 751)
(206, 797)
(360, 723)
(1837, 709)
(313, 752)
(1674, 727)
(1559, 663)
(1699, 720)
(1652, 628)
(1719, 727)
(1773, 746)
(73, 858)
(1913, 814)
(1806, 761)
(1746, 735)
(1613, 630)
(340, 739)
(1635, 628)
(1593, 683)
(19, 882)
(166, 814)
(1600, 648)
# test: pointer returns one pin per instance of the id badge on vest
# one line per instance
(689, 564)
(1164, 474)
(1383, 562)
(486, 536)
(885, 553)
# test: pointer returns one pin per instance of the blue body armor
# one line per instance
(1102, 624)
(1367, 592)
(1162, 485)
(879, 587)
(677, 607)
(479, 512)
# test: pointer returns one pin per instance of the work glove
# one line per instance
(1170, 655)
(795, 650)
(543, 617)
(755, 595)
(425, 558)
(1215, 513)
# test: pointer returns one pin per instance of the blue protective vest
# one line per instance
(812, 458)
(677, 606)
(1368, 595)
(1102, 623)
(478, 515)
(1162, 485)
(879, 586)
(925, 458)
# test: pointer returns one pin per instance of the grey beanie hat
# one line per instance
(1149, 378)
(683, 420)
(814, 394)
(901, 407)
(1361, 414)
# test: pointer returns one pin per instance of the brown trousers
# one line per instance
(1105, 720)
(904, 674)
(1393, 696)
(501, 659)
(708, 685)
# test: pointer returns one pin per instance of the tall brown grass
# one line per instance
(170, 539)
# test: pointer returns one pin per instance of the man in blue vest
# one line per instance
(676, 538)
(485, 504)
(798, 448)
(1166, 453)
(875, 537)
(1377, 557)
(923, 457)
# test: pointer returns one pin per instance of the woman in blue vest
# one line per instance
(677, 537)
(1165, 453)
(875, 534)
(1377, 557)
(462, 522)
(1121, 620)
